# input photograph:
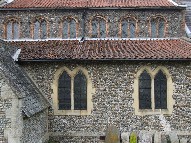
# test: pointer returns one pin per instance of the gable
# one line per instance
(21, 84)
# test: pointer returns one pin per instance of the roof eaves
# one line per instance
(94, 8)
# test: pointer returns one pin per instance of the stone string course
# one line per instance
(175, 21)
(112, 101)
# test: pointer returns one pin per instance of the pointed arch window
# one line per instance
(98, 27)
(64, 92)
(80, 92)
(157, 27)
(69, 28)
(12, 30)
(160, 90)
(128, 28)
(144, 91)
(40, 29)
(73, 91)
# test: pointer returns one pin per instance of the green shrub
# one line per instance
(133, 138)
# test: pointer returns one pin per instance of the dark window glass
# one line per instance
(65, 30)
(94, 29)
(43, 29)
(161, 28)
(153, 28)
(124, 27)
(102, 28)
(132, 28)
(145, 91)
(16, 30)
(160, 88)
(36, 30)
(9, 30)
(72, 28)
(64, 92)
(80, 92)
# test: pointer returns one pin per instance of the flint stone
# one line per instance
(112, 135)
(145, 137)
(125, 137)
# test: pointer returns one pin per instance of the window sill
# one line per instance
(72, 112)
(143, 112)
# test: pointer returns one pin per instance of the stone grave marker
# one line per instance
(165, 139)
(125, 137)
(174, 137)
(112, 134)
(145, 137)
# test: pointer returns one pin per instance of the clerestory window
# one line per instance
(40, 29)
(12, 30)
(158, 27)
(98, 27)
(69, 28)
(128, 28)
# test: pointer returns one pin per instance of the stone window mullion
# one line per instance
(72, 93)
(152, 94)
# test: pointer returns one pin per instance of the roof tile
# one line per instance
(103, 49)
(87, 3)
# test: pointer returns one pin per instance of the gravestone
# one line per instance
(183, 140)
(125, 137)
(174, 137)
(145, 137)
(112, 134)
(133, 138)
(157, 137)
(165, 139)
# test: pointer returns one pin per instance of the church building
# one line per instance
(69, 69)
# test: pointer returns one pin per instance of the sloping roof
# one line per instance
(32, 99)
(103, 50)
(188, 13)
(87, 3)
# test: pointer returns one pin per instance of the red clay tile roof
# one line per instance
(87, 3)
(103, 49)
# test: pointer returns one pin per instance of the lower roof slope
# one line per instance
(176, 49)
(32, 99)
(87, 3)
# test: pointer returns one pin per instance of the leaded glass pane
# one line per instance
(161, 28)
(160, 89)
(145, 91)
(65, 30)
(36, 30)
(153, 29)
(64, 92)
(80, 92)
(132, 28)
(72, 29)
(95, 29)
(16, 30)
(102, 28)
(43, 29)
(9, 30)
(124, 27)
